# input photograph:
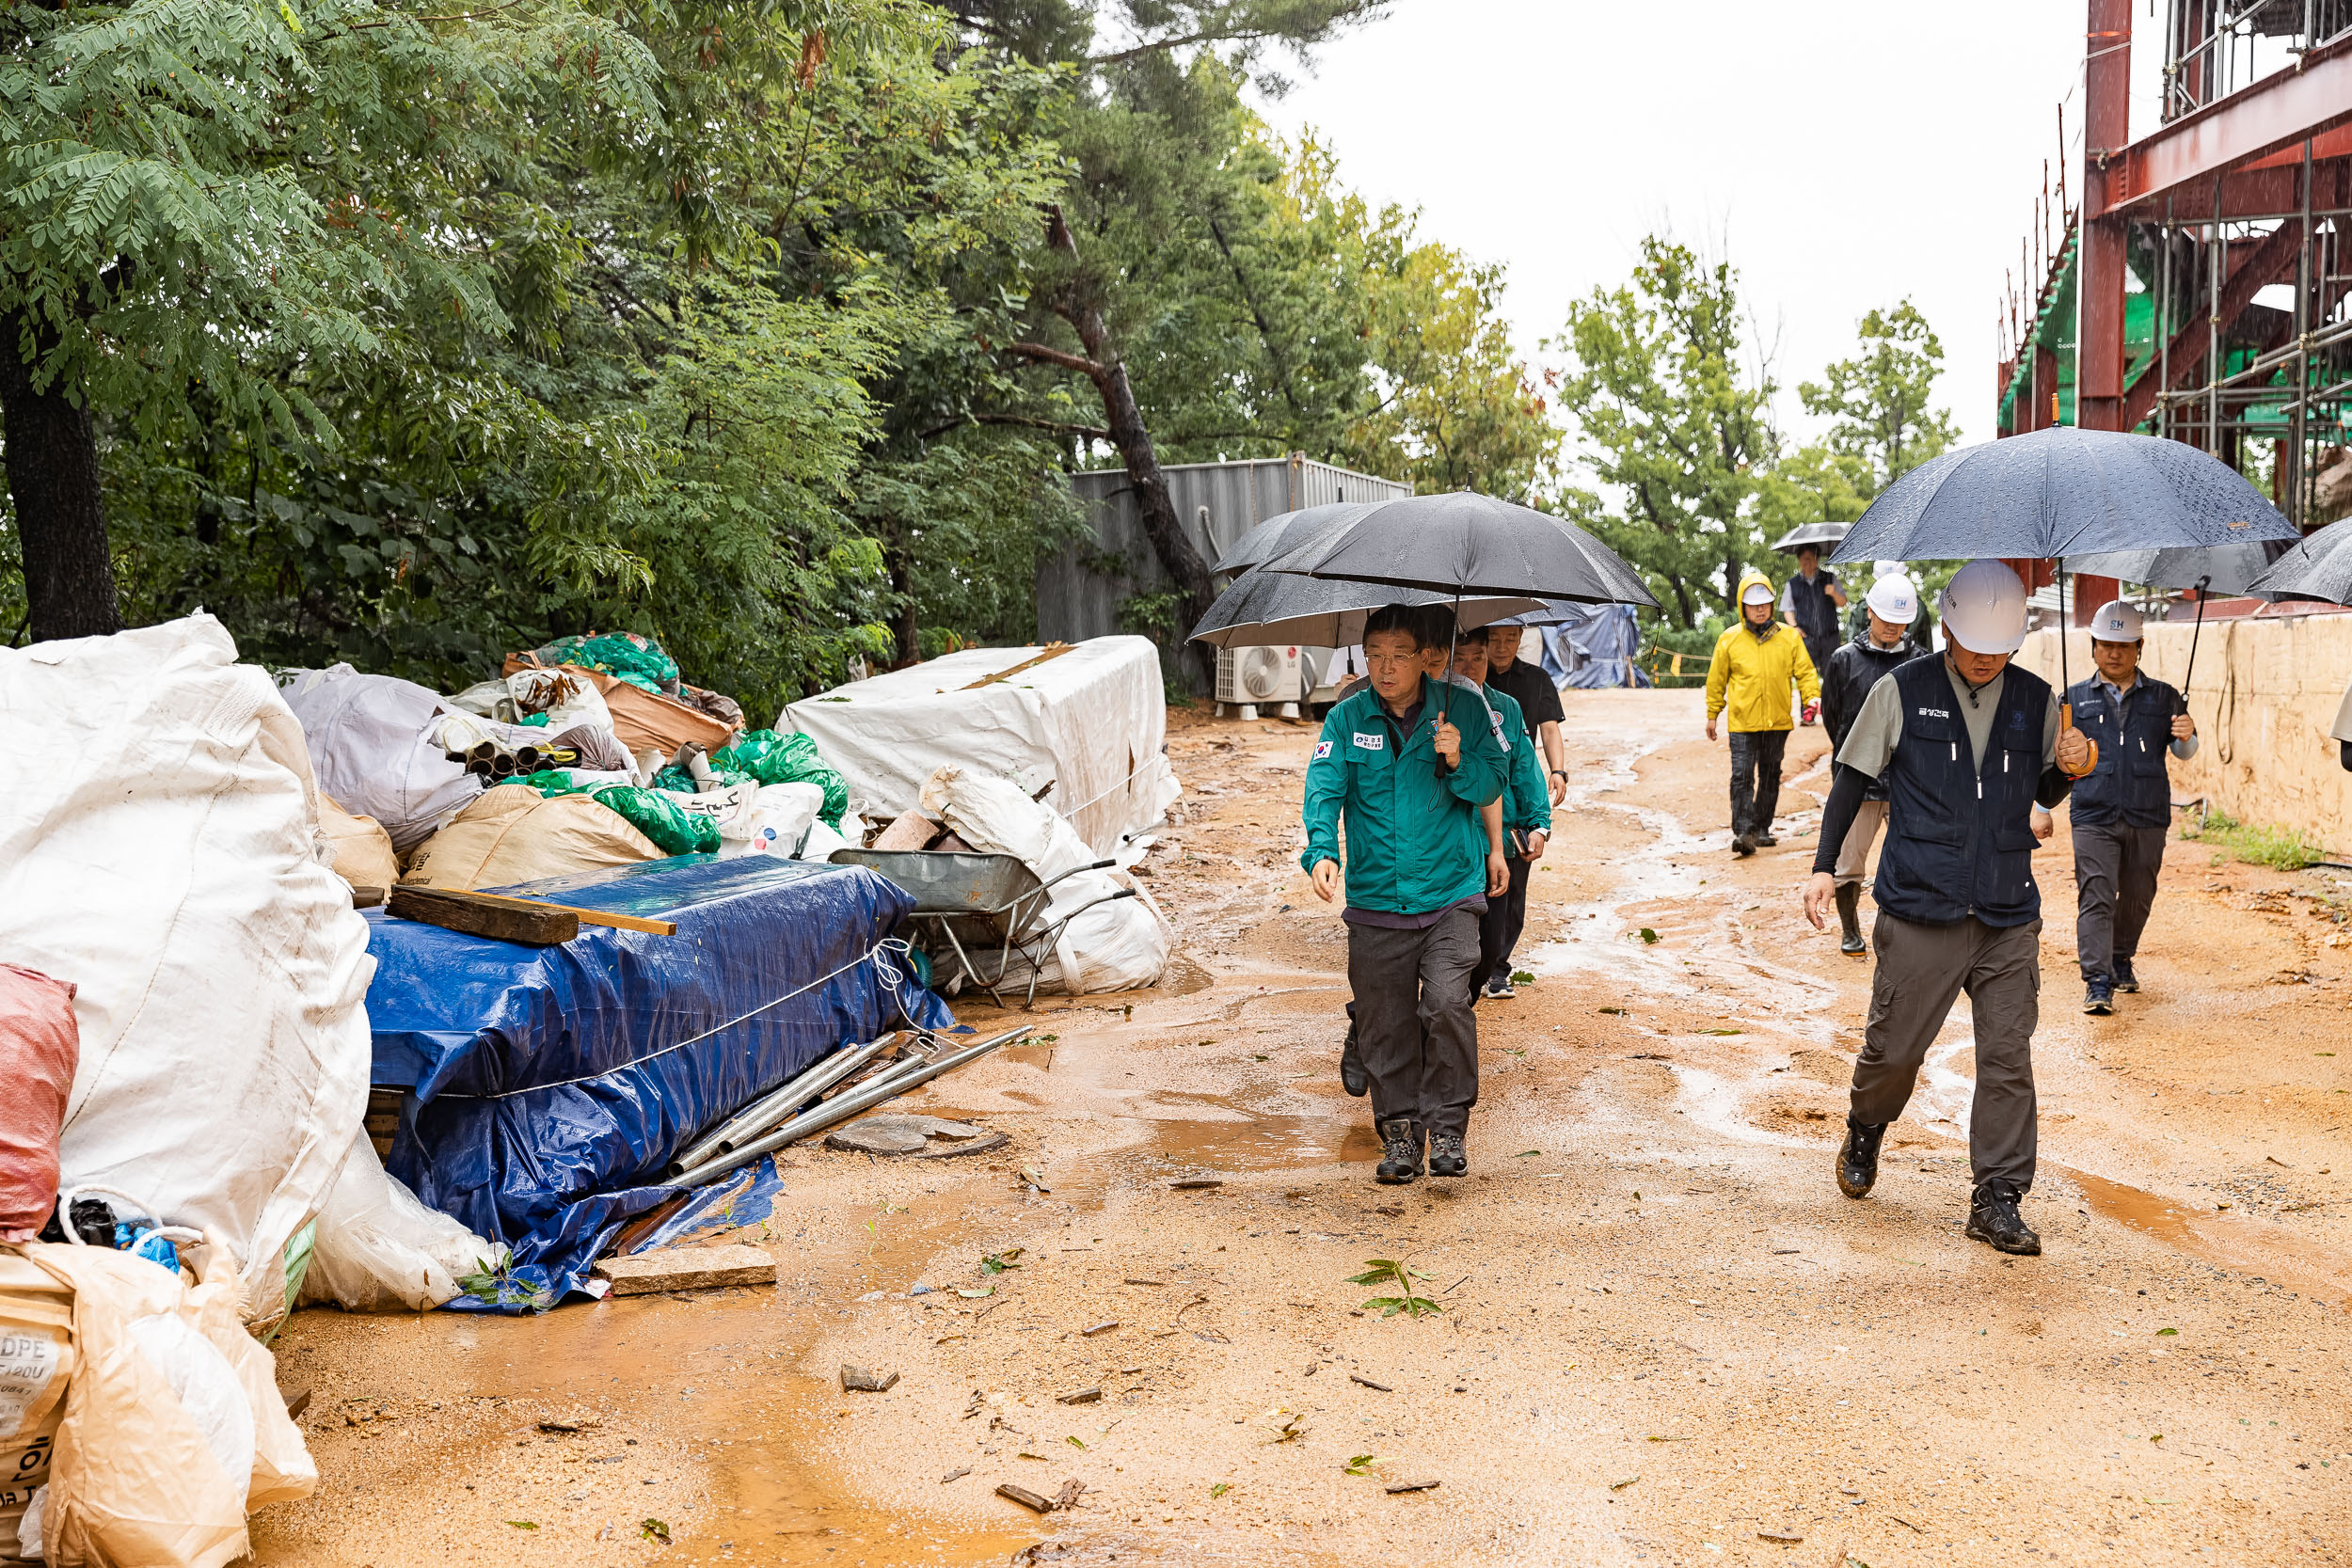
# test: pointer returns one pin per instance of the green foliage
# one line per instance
(1878, 402)
(1405, 1277)
(2283, 849)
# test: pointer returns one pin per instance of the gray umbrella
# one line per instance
(2318, 567)
(2221, 569)
(1823, 534)
(1285, 532)
(1271, 608)
(1463, 544)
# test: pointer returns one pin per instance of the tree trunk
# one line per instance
(1178, 558)
(51, 446)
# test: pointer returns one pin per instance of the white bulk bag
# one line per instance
(157, 853)
(375, 746)
(381, 1250)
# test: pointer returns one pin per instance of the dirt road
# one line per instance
(1664, 1336)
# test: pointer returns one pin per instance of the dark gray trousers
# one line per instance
(1499, 928)
(1413, 1023)
(1755, 779)
(2115, 878)
(1921, 970)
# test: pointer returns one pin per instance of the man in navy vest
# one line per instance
(1965, 744)
(1811, 602)
(2122, 810)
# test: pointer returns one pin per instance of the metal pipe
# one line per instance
(771, 1107)
(840, 1108)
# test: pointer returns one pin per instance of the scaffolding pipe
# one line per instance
(769, 1108)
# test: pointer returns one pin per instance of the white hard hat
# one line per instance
(1893, 598)
(2115, 622)
(1886, 568)
(1983, 609)
(1756, 592)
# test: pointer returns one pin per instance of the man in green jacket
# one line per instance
(1409, 776)
(1526, 812)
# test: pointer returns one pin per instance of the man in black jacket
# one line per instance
(2123, 809)
(1853, 669)
(1810, 603)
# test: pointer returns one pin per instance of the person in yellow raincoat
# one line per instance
(1756, 664)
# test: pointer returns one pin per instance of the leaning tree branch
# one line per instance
(1077, 362)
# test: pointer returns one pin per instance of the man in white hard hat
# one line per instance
(2123, 809)
(1965, 745)
(1748, 679)
(1884, 642)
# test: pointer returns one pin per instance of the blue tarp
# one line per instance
(1593, 647)
(551, 1086)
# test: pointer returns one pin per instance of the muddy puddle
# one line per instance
(2267, 1253)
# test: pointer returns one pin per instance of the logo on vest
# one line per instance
(1935, 713)
(1372, 742)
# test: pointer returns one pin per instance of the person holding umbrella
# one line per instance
(2122, 808)
(1811, 600)
(1410, 783)
(1965, 744)
(1884, 642)
(1753, 666)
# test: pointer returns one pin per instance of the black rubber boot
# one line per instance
(1994, 1219)
(1858, 1161)
(1766, 841)
(1850, 920)
(1353, 1078)
(1402, 1162)
(1743, 846)
(2125, 978)
(1446, 1156)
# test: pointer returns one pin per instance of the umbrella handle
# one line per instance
(2195, 632)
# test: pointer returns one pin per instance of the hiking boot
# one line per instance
(1446, 1157)
(1743, 846)
(1401, 1162)
(1353, 1078)
(1994, 1219)
(1858, 1161)
(2099, 996)
(2125, 978)
(1850, 920)
(1501, 989)
(1766, 841)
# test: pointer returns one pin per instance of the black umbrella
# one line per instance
(2317, 568)
(1285, 532)
(1822, 535)
(1463, 545)
(1267, 609)
(2061, 492)
(2218, 568)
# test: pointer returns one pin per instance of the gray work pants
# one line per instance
(1921, 970)
(1413, 1023)
(2115, 878)
(1854, 856)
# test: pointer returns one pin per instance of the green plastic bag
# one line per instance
(773, 758)
(638, 661)
(674, 831)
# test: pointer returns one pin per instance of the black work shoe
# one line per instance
(1353, 1078)
(2125, 978)
(1766, 841)
(1446, 1157)
(1858, 1161)
(1850, 920)
(1994, 1219)
(1401, 1162)
(2099, 997)
(1743, 846)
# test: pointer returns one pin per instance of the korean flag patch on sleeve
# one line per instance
(1323, 749)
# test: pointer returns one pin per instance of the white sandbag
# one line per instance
(363, 852)
(788, 811)
(514, 835)
(375, 746)
(1110, 943)
(159, 854)
(381, 1250)
(819, 843)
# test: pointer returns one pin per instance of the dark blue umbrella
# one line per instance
(2062, 492)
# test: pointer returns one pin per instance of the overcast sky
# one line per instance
(1844, 154)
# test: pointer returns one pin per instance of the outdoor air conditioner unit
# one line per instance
(1248, 676)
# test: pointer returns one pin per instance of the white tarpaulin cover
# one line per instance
(157, 852)
(1090, 720)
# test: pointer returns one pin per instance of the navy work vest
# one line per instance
(2130, 785)
(1958, 829)
(1816, 617)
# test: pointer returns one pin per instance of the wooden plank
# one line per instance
(693, 1268)
(503, 920)
(365, 898)
(1052, 650)
(586, 916)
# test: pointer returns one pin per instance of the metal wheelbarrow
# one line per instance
(981, 901)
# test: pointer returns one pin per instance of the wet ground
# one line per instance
(1663, 1339)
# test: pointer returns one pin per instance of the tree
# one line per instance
(1878, 402)
(1671, 426)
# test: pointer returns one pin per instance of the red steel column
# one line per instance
(2099, 334)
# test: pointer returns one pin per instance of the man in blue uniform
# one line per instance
(1811, 602)
(2123, 809)
(1965, 743)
